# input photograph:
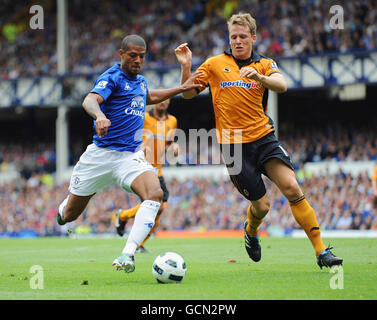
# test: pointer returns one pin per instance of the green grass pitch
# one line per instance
(288, 270)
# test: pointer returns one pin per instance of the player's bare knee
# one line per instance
(159, 195)
(291, 190)
(164, 205)
(156, 195)
(261, 207)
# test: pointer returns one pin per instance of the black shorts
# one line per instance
(245, 164)
(164, 189)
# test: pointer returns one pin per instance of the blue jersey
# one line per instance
(125, 98)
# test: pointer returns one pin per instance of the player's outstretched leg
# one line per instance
(141, 248)
(146, 186)
(143, 223)
(305, 216)
(284, 177)
(71, 208)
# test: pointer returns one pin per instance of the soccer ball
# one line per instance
(169, 267)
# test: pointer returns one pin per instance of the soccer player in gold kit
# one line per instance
(239, 80)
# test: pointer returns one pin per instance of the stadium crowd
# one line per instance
(285, 29)
(332, 143)
(27, 158)
(28, 206)
(335, 143)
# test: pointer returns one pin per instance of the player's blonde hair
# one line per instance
(244, 19)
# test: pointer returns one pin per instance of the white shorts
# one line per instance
(97, 167)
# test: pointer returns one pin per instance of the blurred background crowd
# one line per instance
(29, 206)
(335, 143)
(285, 29)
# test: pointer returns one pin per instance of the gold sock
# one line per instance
(252, 227)
(129, 213)
(305, 217)
(156, 222)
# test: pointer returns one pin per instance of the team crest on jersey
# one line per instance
(101, 85)
(137, 102)
(75, 181)
(273, 66)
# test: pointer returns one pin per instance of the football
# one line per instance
(169, 267)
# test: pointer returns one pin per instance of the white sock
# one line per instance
(143, 223)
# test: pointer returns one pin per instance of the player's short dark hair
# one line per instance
(133, 39)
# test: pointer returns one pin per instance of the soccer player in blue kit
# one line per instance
(117, 105)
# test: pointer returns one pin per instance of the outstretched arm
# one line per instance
(184, 57)
(91, 105)
(158, 95)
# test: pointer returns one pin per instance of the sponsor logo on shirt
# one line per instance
(134, 112)
(137, 107)
(240, 84)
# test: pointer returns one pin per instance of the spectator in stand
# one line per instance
(28, 206)
(338, 143)
(313, 145)
(287, 28)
